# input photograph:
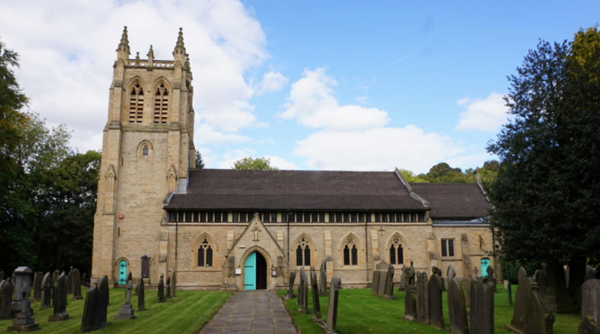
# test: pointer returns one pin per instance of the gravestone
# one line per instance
(141, 295)
(103, 302)
(590, 303)
(589, 326)
(173, 283)
(70, 280)
(590, 272)
(540, 278)
(410, 276)
(315, 293)
(516, 323)
(304, 296)
(145, 266)
(467, 287)
(323, 279)
(47, 293)
(450, 272)
(23, 322)
(381, 285)
(6, 293)
(37, 286)
(557, 297)
(84, 280)
(422, 299)
(300, 287)
(402, 285)
(290, 292)
(482, 307)
(436, 316)
(491, 277)
(457, 307)
(375, 284)
(60, 304)
(90, 318)
(126, 310)
(576, 279)
(530, 313)
(168, 288)
(161, 289)
(76, 285)
(436, 271)
(410, 305)
(334, 291)
(388, 292)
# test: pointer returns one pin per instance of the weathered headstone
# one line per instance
(76, 285)
(375, 284)
(402, 285)
(530, 313)
(381, 285)
(37, 286)
(540, 278)
(70, 280)
(300, 287)
(576, 279)
(491, 277)
(436, 316)
(168, 288)
(422, 299)
(323, 279)
(90, 318)
(467, 286)
(290, 292)
(589, 326)
(103, 302)
(388, 292)
(6, 293)
(590, 303)
(84, 280)
(23, 322)
(60, 304)
(482, 307)
(315, 293)
(557, 297)
(303, 295)
(47, 293)
(141, 295)
(334, 291)
(450, 272)
(126, 310)
(516, 323)
(590, 272)
(161, 289)
(457, 307)
(173, 283)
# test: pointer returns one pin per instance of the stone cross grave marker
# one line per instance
(126, 311)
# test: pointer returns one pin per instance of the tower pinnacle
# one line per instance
(179, 47)
(124, 44)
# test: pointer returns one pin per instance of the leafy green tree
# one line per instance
(409, 176)
(199, 162)
(546, 195)
(254, 164)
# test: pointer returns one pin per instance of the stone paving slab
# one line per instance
(259, 311)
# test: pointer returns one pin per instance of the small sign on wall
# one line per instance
(238, 271)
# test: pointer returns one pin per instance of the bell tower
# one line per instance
(147, 150)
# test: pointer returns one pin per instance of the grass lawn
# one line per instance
(361, 312)
(185, 313)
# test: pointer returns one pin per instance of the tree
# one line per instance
(546, 195)
(254, 164)
(199, 162)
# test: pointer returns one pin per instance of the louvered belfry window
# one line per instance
(136, 104)
(161, 104)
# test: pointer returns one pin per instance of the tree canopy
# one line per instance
(254, 164)
(546, 195)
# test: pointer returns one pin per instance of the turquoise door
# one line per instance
(250, 272)
(123, 272)
(485, 262)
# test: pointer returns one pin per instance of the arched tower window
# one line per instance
(145, 151)
(396, 252)
(205, 254)
(303, 253)
(350, 252)
(161, 104)
(136, 103)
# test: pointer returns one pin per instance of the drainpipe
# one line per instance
(176, 237)
(367, 250)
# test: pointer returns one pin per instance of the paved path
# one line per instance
(260, 311)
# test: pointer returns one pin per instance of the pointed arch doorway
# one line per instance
(255, 272)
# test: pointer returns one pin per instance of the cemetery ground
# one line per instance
(185, 313)
(360, 312)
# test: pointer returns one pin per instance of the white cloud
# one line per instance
(483, 115)
(370, 149)
(271, 82)
(281, 163)
(67, 57)
(311, 102)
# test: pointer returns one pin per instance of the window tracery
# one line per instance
(205, 254)
(303, 253)
(161, 104)
(396, 251)
(136, 103)
(350, 252)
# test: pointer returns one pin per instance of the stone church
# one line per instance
(245, 230)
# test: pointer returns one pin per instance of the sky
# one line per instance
(315, 85)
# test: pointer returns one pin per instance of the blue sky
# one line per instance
(352, 85)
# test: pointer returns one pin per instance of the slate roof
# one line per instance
(295, 190)
(453, 200)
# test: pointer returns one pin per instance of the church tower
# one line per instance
(147, 150)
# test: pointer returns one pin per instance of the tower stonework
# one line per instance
(147, 150)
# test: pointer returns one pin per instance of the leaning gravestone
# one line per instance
(23, 322)
(37, 286)
(76, 285)
(375, 285)
(436, 316)
(590, 303)
(173, 283)
(6, 292)
(389, 283)
(530, 313)
(290, 292)
(300, 287)
(103, 302)
(557, 297)
(423, 300)
(94, 309)
(126, 310)
(323, 279)
(161, 289)
(47, 293)
(168, 288)
(334, 292)
(482, 307)
(60, 304)
(516, 324)
(457, 307)
(141, 296)
(315, 293)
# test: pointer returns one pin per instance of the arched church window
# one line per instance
(161, 104)
(136, 103)
(350, 252)
(205, 254)
(303, 253)
(145, 152)
(396, 252)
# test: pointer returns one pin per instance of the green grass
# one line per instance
(185, 313)
(360, 312)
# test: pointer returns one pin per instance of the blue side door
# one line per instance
(485, 262)
(250, 272)
(123, 272)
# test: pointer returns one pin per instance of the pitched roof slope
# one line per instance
(453, 200)
(293, 189)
